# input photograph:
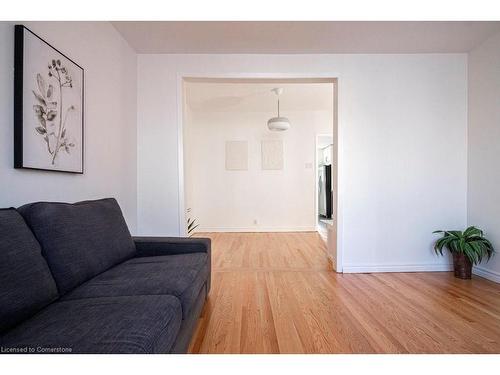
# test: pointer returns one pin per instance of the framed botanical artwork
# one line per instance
(48, 106)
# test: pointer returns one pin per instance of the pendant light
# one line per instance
(278, 123)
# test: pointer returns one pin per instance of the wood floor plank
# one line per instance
(435, 312)
(276, 293)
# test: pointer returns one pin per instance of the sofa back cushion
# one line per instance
(26, 284)
(79, 240)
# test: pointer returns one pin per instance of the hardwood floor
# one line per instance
(275, 293)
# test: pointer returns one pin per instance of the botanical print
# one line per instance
(49, 111)
(49, 107)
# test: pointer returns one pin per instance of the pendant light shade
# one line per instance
(278, 123)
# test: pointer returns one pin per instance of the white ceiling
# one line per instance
(257, 97)
(305, 37)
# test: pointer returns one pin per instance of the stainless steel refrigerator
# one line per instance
(325, 191)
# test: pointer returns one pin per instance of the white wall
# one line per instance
(110, 119)
(402, 140)
(484, 147)
(279, 200)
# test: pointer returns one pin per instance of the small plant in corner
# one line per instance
(191, 224)
(467, 248)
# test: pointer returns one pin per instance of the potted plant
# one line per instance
(191, 224)
(468, 247)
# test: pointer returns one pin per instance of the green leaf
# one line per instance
(470, 256)
(190, 225)
(455, 233)
(472, 231)
(192, 229)
(450, 242)
(461, 244)
(453, 246)
(473, 256)
(477, 249)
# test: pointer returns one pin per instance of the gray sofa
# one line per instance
(73, 280)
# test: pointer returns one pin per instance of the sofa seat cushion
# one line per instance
(181, 275)
(137, 324)
(26, 284)
(79, 240)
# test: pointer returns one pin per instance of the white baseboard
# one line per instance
(487, 274)
(256, 229)
(374, 268)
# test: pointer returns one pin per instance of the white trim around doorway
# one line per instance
(265, 77)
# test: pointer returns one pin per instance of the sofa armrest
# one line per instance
(155, 246)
